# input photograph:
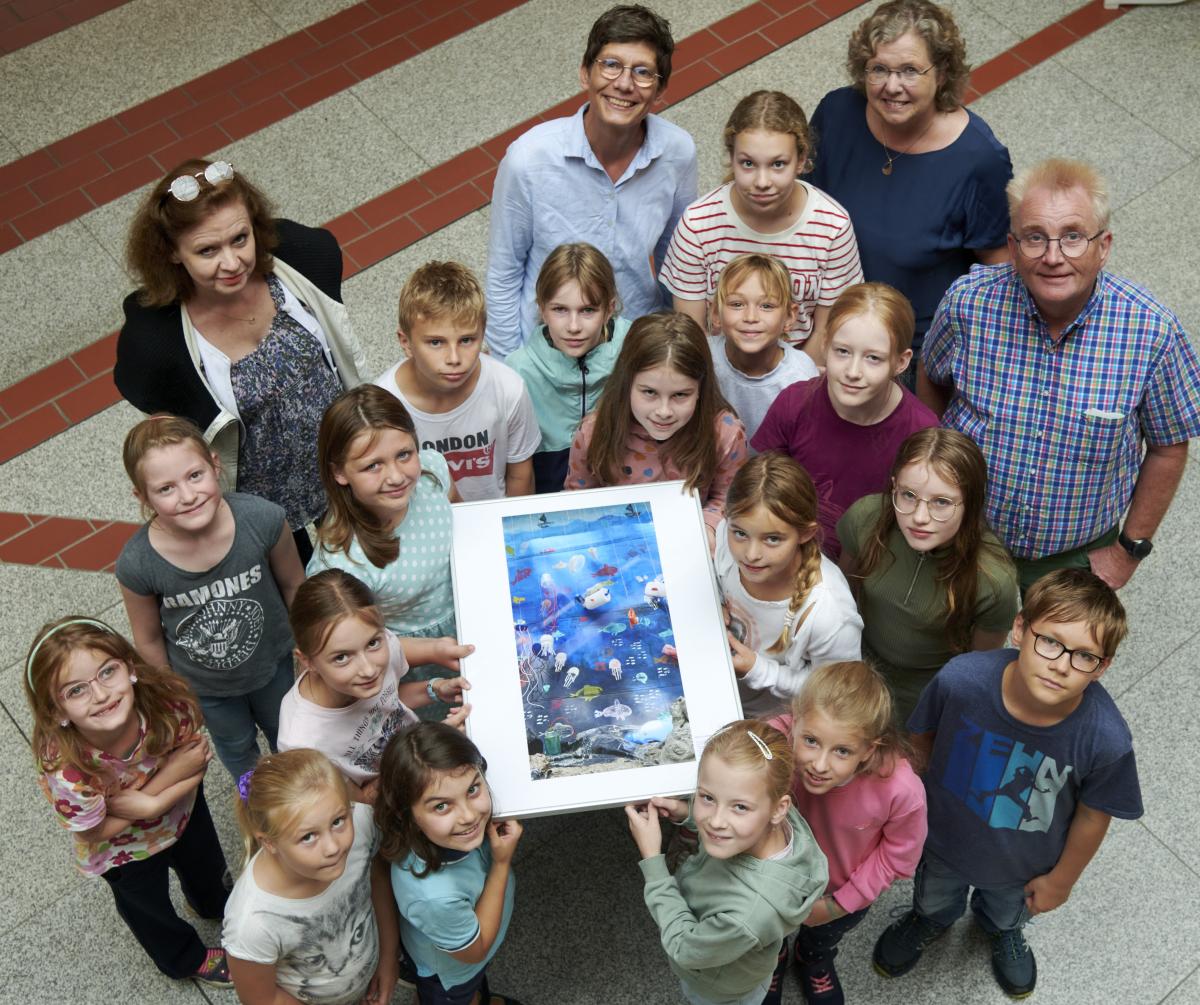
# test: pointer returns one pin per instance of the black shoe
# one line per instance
(901, 944)
(406, 974)
(774, 995)
(819, 981)
(1013, 964)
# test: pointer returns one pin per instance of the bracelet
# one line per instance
(433, 695)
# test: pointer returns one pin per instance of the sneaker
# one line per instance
(214, 971)
(774, 995)
(901, 944)
(406, 972)
(1013, 964)
(819, 982)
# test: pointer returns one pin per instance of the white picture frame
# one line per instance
(484, 602)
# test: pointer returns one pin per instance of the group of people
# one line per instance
(874, 546)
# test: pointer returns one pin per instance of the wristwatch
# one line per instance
(1138, 548)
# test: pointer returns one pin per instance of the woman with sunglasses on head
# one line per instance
(921, 177)
(931, 579)
(238, 325)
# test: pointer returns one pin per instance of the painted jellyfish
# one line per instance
(547, 644)
(614, 665)
(549, 606)
(575, 563)
(560, 661)
(571, 676)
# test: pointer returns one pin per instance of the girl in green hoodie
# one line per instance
(725, 915)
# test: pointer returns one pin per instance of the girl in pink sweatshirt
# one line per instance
(858, 793)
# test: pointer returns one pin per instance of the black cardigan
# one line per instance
(154, 370)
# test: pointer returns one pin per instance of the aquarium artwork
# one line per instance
(593, 644)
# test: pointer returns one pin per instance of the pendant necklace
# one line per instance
(887, 168)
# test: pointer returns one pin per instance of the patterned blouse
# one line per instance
(78, 799)
(282, 389)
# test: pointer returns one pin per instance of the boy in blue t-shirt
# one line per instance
(1027, 760)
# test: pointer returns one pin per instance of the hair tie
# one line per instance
(243, 785)
(57, 628)
(761, 744)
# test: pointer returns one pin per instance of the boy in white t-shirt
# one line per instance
(753, 362)
(471, 409)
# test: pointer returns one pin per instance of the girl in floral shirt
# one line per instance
(121, 758)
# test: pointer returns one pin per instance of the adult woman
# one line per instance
(239, 326)
(922, 178)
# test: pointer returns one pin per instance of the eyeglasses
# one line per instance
(1072, 244)
(611, 69)
(940, 508)
(79, 692)
(1052, 649)
(185, 188)
(878, 74)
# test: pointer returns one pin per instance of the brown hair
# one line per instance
(442, 290)
(1058, 174)
(409, 763)
(733, 745)
(161, 697)
(675, 340)
(780, 484)
(162, 219)
(955, 457)
(153, 433)
(1077, 595)
(885, 302)
(934, 25)
(282, 787)
(632, 23)
(772, 274)
(772, 112)
(363, 409)
(323, 601)
(584, 264)
(855, 695)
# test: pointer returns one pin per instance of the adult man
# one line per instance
(611, 174)
(1059, 371)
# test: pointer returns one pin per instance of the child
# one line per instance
(753, 363)
(725, 914)
(663, 417)
(311, 916)
(763, 207)
(206, 584)
(570, 355)
(451, 861)
(932, 580)
(350, 697)
(466, 406)
(1028, 760)
(121, 756)
(788, 606)
(857, 791)
(846, 426)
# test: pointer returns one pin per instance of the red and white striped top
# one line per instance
(819, 251)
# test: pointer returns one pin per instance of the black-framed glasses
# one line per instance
(940, 508)
(1072, 244)
(1052, 649)
(878, 74)
(611, 69)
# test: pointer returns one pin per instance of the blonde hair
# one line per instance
(772, 274)
(324, 601)
(855, 696)
(440, 290)
(772, 112)
(733, 745)
(585, 265)
(1059, 174)
(153, 433)
(282, 786)
(776, 482)
(1077, 595)
(885, 302)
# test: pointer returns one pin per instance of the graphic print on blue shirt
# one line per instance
(1001, 781)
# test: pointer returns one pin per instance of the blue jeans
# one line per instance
(233, 722)
(940, 894)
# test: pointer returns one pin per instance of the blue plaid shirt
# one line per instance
(1061, 423)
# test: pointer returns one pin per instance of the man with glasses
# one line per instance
(1059, 371)
(612, 175)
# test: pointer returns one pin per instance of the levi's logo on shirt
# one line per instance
(467, 456)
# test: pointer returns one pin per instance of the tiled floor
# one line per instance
(1117, 95)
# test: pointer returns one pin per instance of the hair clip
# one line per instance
(243, 785)
(761, 744)
(58, 628)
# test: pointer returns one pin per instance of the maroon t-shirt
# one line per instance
(845, 461)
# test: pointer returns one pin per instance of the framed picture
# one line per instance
(601, 665)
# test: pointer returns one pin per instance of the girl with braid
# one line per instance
(788, 607)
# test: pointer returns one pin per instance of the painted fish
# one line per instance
(522, 574)
(508, 550)
(614, 711)
(557, 635)
(594, 597)
(518, 600)
(655, 591)
(670, 652)
(589, 692)
(616, 628)
(605, 570)
(641, 678)
(633, 618)
(666, 635)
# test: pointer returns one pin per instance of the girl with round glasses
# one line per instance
(932, 580)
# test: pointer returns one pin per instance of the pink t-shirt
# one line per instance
(846, 461)
(871, 830)
(644, 464)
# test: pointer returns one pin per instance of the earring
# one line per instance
(133, 678)
(65, 723)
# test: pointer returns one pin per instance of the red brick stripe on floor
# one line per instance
(23, 22)
(55, 398)
(108, 159)
(59, 543)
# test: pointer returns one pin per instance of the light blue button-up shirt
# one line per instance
(551, 190)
